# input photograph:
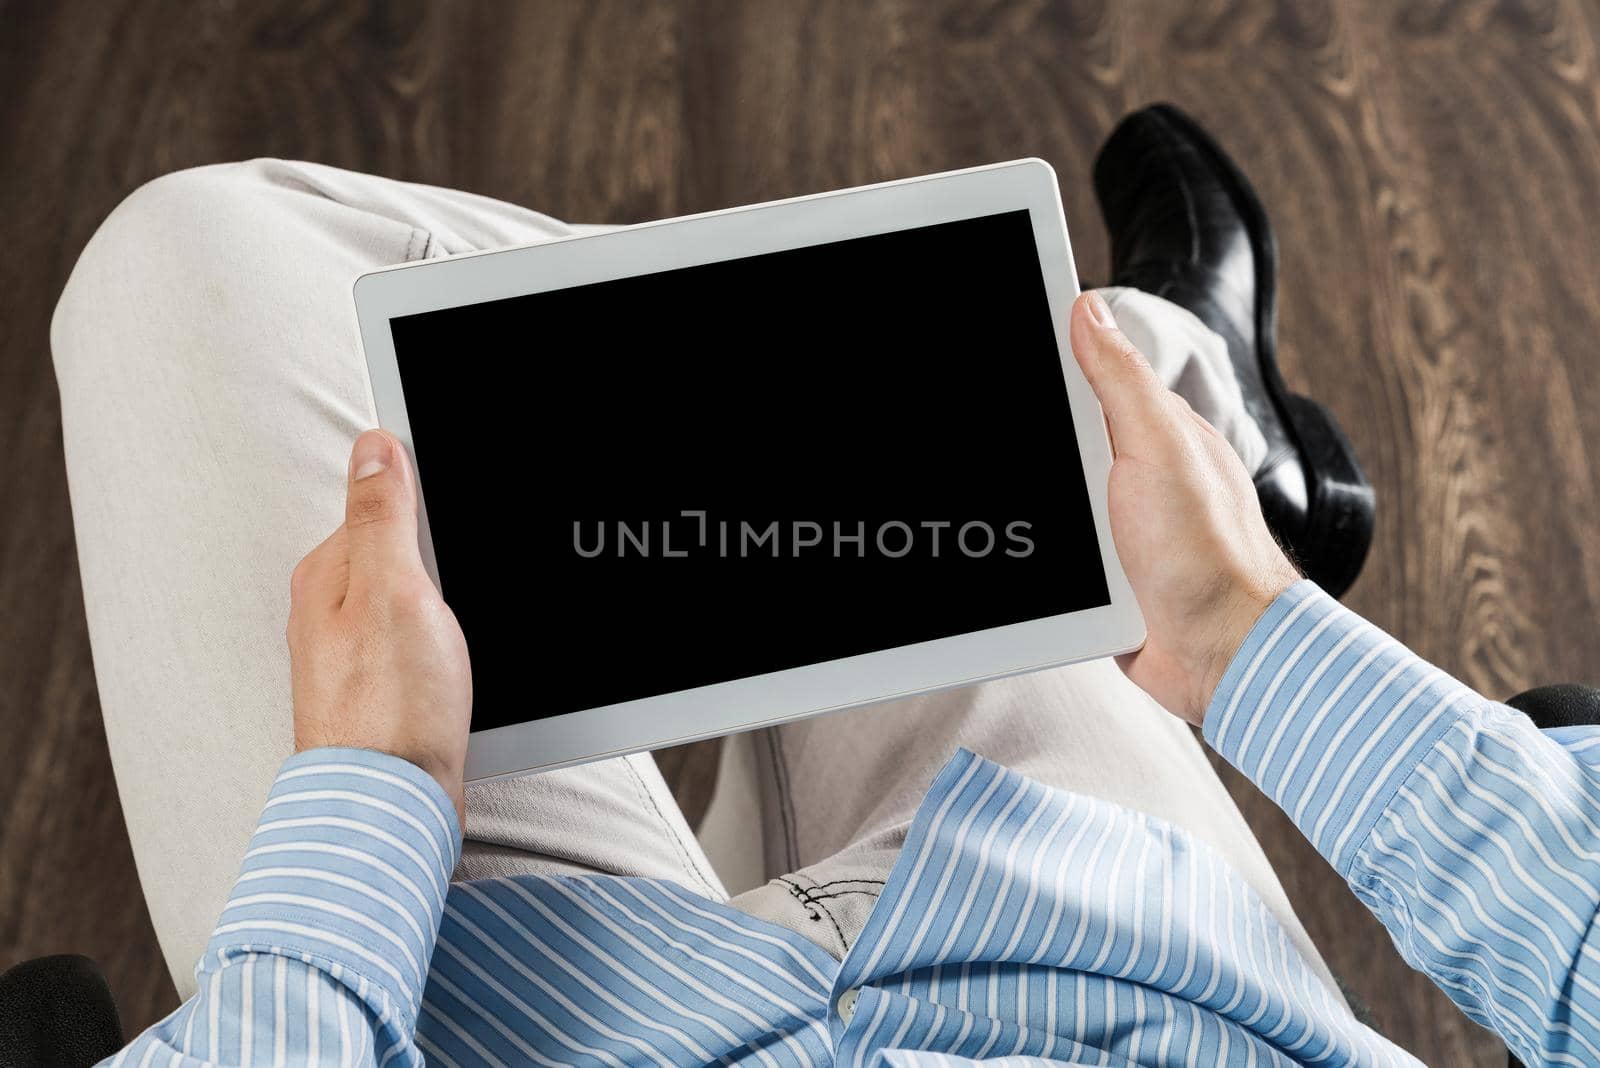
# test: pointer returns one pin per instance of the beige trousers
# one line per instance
(211, 384)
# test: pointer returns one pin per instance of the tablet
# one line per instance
(711, 473)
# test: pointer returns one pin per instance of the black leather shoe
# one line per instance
(1185, 225)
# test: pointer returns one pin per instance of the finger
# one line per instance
(320, 579)
(380, 515)
(1128, 390)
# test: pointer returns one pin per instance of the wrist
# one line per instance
(447, 770)
(1242, 604)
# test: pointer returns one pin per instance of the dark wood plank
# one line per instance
(1432, 168)
(67, 881)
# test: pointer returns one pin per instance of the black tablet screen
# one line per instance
(656, 483)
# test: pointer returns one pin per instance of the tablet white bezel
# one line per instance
(741, 704)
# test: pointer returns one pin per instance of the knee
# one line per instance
(166, 221)
(154, 259)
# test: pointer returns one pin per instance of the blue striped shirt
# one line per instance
(1020, 924)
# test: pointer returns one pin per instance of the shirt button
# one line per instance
(846, 1005)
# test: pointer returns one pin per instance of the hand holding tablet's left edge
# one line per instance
(1185, 519)
(376, 657)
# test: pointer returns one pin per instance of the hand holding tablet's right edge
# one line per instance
(1185, 518)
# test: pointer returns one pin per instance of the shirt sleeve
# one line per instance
(1473, 836)
(321, 954)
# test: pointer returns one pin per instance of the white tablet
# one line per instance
(718, 472)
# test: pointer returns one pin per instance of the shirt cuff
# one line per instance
(1328, 715)
(347, 870)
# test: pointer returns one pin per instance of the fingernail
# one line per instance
(372, 456)
(1101, 311)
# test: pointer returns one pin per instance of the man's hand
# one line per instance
(1185, 519)
(378, 661)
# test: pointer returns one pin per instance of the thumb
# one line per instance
(1128, 389)
(380, 513)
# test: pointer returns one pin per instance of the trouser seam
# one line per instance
(812, 898)
(801, 895)
(840, 882)
(671, 832)
(791, 848)
(417, 246)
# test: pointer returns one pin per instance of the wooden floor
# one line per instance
(1433, 169)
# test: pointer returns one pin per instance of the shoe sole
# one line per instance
(1341, 504)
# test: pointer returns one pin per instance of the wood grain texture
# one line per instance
(1433, 169)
